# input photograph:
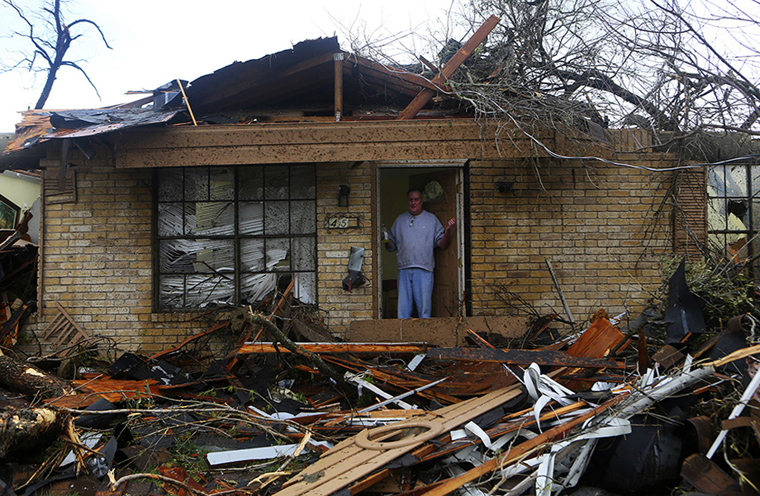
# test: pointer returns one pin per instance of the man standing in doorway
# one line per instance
(414, 236)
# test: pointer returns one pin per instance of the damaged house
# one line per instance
(276, 177)
(284, 169)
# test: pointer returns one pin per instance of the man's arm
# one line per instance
(447, 234)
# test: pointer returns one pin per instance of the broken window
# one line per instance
(734, 210)
(229, 235)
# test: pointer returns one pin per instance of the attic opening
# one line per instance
(231, 235)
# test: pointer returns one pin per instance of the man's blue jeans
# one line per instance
(415, 287)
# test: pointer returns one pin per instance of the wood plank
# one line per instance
(347, 462)
(311, 133)
(522, 357)
(381, 72)
(517, 452)
(478, 339)
(338, 63)
(269, 347)
(113, 390)
(369, 481)
(707, 477)
(597, 340)
(164, 353)
(299, 153)
(54, 325)
(494, 433)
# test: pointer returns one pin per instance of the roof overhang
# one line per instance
(384, 141)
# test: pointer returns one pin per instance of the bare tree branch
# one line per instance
(52, 45)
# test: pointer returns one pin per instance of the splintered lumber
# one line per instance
(355, 348)
(233, 361)
(313, 358)
(514, 424)
(113, 390)
(30, 380)
(27, 429)
(523, 357)
(707, 477)
(164, 353)
(452, 65)
(478, 340)
(517, 452)
(357, 457)
(597, 341)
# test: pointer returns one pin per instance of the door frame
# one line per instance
(460, 243)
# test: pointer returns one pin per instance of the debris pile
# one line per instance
(285, 416)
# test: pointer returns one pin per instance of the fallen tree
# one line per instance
(22, 431)
(29, 380)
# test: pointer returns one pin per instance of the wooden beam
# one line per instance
(435, 139)
(347, 463)
(448, 70)
(523, 357)
(338, 63)
(407, 80)
(478, 340)
(437, 130)
(269, 347)
(516, 453)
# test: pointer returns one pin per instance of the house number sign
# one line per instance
(341, 222)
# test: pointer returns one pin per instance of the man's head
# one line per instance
(414, 200)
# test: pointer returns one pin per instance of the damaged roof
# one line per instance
(301, 77)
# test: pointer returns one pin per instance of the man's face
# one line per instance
(414, 199)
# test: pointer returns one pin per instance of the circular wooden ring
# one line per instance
(362, 439)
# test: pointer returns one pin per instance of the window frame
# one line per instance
(719, 237)
(267, 199)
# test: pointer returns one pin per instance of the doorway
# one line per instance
(442, 196)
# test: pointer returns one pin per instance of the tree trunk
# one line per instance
(29, 380)
(23, 431)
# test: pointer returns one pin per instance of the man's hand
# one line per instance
(447, 234)
(386, 238)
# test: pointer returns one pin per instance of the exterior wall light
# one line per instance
(504, 187)
(343, 191)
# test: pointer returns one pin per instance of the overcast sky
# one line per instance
(156, 41)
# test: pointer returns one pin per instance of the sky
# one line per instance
(156, 41)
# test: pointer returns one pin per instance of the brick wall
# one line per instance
(334, 244)
(96, 257)
(97, 254)
(594, 222)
